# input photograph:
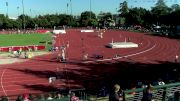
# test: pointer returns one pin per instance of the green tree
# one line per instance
(86, 16)
(53, 20)
(122, 21)
(135, 16)
(160, 11)
(174, 18)
(148, 19)
(17, 24)
(43, 22)
(123, 8)
(24, 19)
(175, 7)
(93, 22)
(105, 18)
(160, 8)
(123, 12)
(2, 20)
(9, 23)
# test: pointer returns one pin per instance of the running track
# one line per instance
(32, 76)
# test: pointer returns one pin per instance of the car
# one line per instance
(174, 32)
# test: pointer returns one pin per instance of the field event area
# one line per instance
(89, 64)
(90, 50)
(24, 39)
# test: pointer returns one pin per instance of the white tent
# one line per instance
(157, 27)
(59, 31)
(87, 30)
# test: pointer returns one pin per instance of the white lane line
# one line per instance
(15, 90)
(122, 56)
(2, 82)
(14, 85)
(139, 52)
(25, 81)
(31, 65)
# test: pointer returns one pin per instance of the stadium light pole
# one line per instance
(24, 27)
(90, 9)
(67, 7)
(18, 10)
(71, 13)
(71, 6)
(35, 13)
(30, 12)
(7, 9)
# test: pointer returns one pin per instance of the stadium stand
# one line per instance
(167, 92)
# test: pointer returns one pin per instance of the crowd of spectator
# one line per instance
(43, 97)
(17, 31)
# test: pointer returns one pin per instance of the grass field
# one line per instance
(24, 39)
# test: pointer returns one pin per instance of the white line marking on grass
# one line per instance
(2, 82)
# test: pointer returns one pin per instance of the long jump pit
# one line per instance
(8, 58)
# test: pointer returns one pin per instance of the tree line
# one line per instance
(160, 15)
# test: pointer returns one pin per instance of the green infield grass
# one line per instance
(25, 39)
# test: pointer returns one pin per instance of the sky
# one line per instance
(36, 7)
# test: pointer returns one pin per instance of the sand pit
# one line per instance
(8, 58)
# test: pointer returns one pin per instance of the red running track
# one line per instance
(32, 76)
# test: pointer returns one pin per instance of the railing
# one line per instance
(160, 93)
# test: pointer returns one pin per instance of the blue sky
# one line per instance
(36, 7)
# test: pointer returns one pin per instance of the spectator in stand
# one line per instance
(74, 97)
(176, 96)
(116, 94)
(31, 97)
(147, 93)
(19, 98)
(161, 82)
(133, 88)
(103, 91)
(4, 98)
(140, 84)
(49, 97)
(176, 58)
(58, 96)
(41, 98)
(26, 97)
